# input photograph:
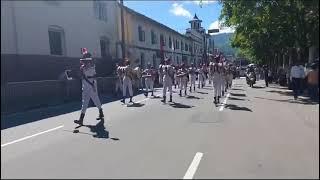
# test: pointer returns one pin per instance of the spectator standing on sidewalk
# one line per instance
(296, 77)
(266, 77)
(313, 82)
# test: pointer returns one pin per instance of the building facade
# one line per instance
(146, 38)
(45, 37)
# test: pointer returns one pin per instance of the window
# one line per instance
(154, 60)
(100, 10)
(104, 46)
(56, 40)
(142, 62)
(170, 42)
(186, 47)
(177, 44)
(181, 45)
(163, 39)
(141, 34)
(153, 37)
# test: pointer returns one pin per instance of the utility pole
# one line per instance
(123, 47)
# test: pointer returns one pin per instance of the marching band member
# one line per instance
(192, 74)
(127, 80)
(201, 77)
(148, 74)
(161, 72)
(216, 80)
(119, 79)
(168, 73)
(89, 87)
(183, 76)
(223, 79)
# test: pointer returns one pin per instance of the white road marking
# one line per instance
(224, 102)
(27, 137)
(193, 166)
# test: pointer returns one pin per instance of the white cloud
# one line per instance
(178, 10)
(204, 2)
(217, 25)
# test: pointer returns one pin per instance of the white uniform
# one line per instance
(89, 91)
(119, 80)
(223, 82)
(183, 79)
(127, 80)
(192, 76)
(160, 74)
(168, 72)
(149, 79)
(216, 81)
(201, 77)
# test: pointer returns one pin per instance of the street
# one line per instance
(254, 133)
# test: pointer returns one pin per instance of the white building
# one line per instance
(58, 28)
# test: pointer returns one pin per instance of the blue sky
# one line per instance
(176, 14)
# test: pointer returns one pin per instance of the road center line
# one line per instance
(224, 102)
(27, 137)
(193, 166)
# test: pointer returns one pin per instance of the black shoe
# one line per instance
(164, 99)
(170, 98)
(146, 94)
(152, 94)
(80, 121)
(123, 100)
(101, 115)
(131, 100)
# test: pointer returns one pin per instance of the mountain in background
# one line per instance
(222, 42)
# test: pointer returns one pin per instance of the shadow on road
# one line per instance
(202, 92)
(135, 105)
(16, 119)
(235, 107)
(193, 97)
(179, 105)
(237, 89)
(283, 93)
(234, 98)
(237, 94)
(258, 87)
(298, 101)
(99, 129)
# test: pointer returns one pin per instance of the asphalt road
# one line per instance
(255, 133)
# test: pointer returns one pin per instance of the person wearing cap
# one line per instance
(148, 74)
(168, 73)
(89, 87)
(192, 75)
(127, 81)
(183, 79)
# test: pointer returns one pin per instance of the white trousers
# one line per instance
(127, 84)
(167, 84)
(149, 84)
(216, 88)
(201, 79)
(193, 80)
(183, 83)
(89, 92)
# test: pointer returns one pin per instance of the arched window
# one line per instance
(56, 40)
(104, 46)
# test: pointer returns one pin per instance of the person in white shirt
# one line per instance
(295, 78)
